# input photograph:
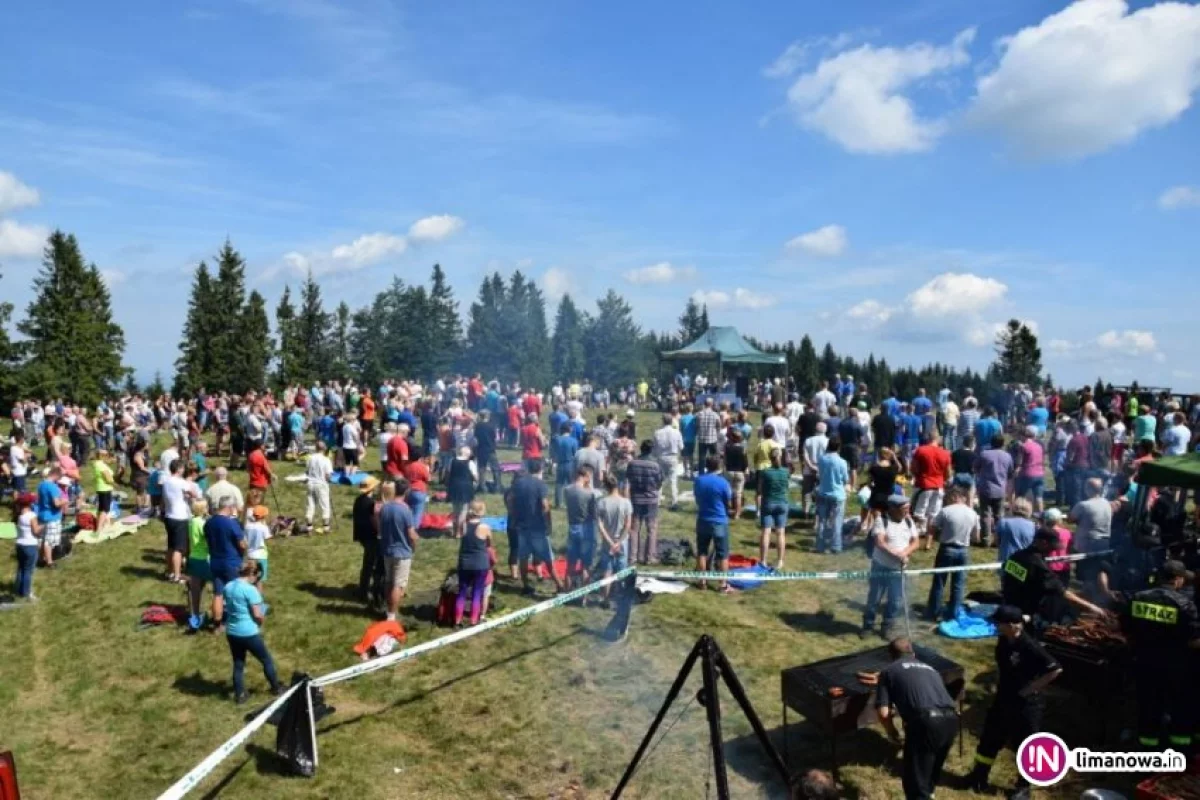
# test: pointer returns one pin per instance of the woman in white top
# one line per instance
(29, 532)
(352, 447)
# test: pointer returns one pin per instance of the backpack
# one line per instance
(445, 608)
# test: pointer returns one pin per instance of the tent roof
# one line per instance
(1179, 471)
(727, 345)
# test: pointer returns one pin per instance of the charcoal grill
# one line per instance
(805, 689)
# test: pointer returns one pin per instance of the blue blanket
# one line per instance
(743, 583)
(496, 523)
(973, 624)
(348, 480)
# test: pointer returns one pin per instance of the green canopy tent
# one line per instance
(725, 346)
(1181, 472)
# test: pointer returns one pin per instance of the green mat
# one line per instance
(8, 530)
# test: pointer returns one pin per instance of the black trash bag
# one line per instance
(626, 594)
(296, 737)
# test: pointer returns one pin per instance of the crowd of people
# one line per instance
(932, 468)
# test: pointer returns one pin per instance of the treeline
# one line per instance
(71, 347)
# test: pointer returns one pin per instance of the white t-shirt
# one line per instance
(222, 489)
(822, 400)
(814, 448)
(782, 429)
(1118, 432)
(1177, 439)
(176, 498)
(349, 437)
(164, 461)
(25, 533)
(257, 534)
(318, 469)
(794, 411)
(898, 535)
(17, 461)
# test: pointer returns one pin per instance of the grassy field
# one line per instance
(93, 707)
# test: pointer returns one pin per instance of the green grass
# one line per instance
(92, 708)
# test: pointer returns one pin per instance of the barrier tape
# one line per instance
(201, 770)
(466, 633)
(844, 575)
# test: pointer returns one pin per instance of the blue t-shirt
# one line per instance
(922, 405)
(223, 534)
(155, 487)
(1039, 418)
(687, 427)
(891, 407)
(985, 430)
(834, 475)
(240, 596)
(48, 493)
(557, 418)
(396, 530)
(296, 423)
(713, 496)
(578, 430)
(565, 447)
(912, 428)
(406, 418)
(327, 428)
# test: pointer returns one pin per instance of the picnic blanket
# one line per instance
(496, 523)
(348, 480)
(973, 623)
(511, 466)
(299, 478)
(111, 531)
(655, 586)
(156, 615)
(436, 522)
(8, 530)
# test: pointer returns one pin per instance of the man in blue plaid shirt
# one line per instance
(708, 432)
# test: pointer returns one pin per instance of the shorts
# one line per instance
(581, 547)
(536, 545)
(264, 569)
(395, 573)
(221, 573)
(689, 450)
(774, 515)
(19, 483)
(808, 484)
(1034, 487)
(737, 483)
(614, 562)
(104, 502)
(850, 454)
(927, 503)
(714, 536)
(177, 534)
(52, 533)
(350, 455)
(368, 426)
(199, 569)
(140, 482)
(646, 511)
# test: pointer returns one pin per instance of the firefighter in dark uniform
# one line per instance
(1025, 670)
(916, 692)
(1163, 625)
(1028, 583)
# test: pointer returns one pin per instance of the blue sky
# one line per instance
(891, 177)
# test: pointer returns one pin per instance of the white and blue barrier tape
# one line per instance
(214, 759)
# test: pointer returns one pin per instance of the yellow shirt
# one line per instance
(762, 454)
(104, 476)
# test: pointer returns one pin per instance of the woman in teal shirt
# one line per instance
(772, 499)
(245, 611)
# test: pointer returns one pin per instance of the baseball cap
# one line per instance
(1008, 614)
(1174, 569)
(1052, 516)
(897, 501)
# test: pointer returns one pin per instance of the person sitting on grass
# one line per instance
(103, 476)
(246, 613)
(474, 564)
(580, 499)
(713, 500)
(257, 534)
(29, 533)
(196, 566)
(614, 519)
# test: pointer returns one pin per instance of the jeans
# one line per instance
(1073, 484)
(483, 464)
(255, 646)
(831, 513)
(370, 575)
(883, 583)
(562, 479)
(27, 556)
(948, 555)
(706, 449)
(991, 509)
(416, 503)
(950, 437)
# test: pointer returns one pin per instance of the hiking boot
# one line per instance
(241, 699)
(277, 690)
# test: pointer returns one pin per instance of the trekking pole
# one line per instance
(904, 599)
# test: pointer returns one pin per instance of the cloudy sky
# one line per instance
(892, 177)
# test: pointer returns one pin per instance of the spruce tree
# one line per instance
(567, 343)
(693, 322)
(611, 342)
(531, 354)
(197, 362)
(285, 328)
(73, 347)
(368, 341)
(339, 342)
(486, 350)
(226, 311)
(250, 360)
(444, 325)
(157, 388)
(311, 346)
(9, 359)
(807, 370)
(829, 364)
(1018, 355)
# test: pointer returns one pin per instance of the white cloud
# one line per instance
(112, 277)
(662, 272)
(954, 294)
(297, 262)
(858, 97)
(14, 194)
(21, 241)
(556, 282)
(1179, 197)
(1091, 76)
(826, 241)
(984, 334)
(435, 228)
(1061, 346)
(871, 312)
(740, 299)
(370, 249)
(1128, 342)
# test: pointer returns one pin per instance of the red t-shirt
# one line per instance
(531, 404)
(397, 455)
(417, 474)
(514, 417)
(929, 464)
(474, 389)
(531, 441)
(256, 465)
